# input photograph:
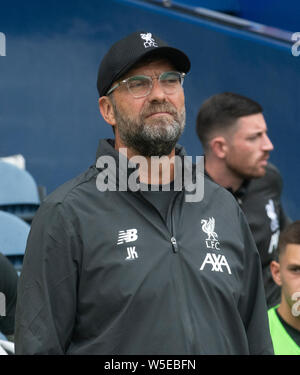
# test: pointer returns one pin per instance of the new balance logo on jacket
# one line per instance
(217, 261)
(129, 235)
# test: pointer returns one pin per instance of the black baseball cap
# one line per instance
(125, 53)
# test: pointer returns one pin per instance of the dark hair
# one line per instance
(220, 112)
(290, 235)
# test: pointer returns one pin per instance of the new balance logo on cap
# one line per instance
(128, 235)
(149, 41)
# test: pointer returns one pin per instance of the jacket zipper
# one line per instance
(188, 321)
(173, 231)
(173, 237)
(188, 325)
(174, 244)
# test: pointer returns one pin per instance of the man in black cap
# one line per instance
(129, 68)
(118, 265)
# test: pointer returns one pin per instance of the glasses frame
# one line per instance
(124, 81)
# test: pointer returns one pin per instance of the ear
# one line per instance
(106, 110)
(219, 147)
(275, 271)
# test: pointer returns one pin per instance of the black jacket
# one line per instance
(105, 274)
(260, 200)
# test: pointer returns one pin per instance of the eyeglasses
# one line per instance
(141, 86)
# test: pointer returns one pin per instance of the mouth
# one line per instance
(264, 161)
(157, 114)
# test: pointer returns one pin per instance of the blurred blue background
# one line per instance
(48, 98)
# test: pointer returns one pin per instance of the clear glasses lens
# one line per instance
(140, 86)
(170, 82)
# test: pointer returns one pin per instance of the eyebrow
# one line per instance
(254, 134)
(258, 130)
(293, 265)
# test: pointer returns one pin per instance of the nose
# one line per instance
(157, 93)
(267, 144)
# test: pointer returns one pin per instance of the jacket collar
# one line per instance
(107, 147)
(240, 192)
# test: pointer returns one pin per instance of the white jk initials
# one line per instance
(132, 254)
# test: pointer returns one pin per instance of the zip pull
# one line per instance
(174, 244)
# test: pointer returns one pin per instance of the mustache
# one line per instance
(159, 107)
(265, 156)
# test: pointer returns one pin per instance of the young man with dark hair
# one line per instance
(233, 132)
(133, 271)
(284, 319)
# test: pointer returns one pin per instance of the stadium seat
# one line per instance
(6, 347)
(19, 193)
(13, 237)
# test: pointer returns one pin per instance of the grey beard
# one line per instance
(157, 138)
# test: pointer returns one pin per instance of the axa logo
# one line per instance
(128, 235)
(148, 40)
(217, 262)
(208, 227)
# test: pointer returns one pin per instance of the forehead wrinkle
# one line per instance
(152, 66)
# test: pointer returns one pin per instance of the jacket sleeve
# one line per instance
(277, 182)
(252, 303)
(46, 303)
